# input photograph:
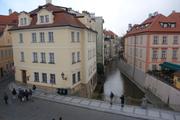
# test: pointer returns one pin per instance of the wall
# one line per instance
(165, 92)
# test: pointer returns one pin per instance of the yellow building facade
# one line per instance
(6, 51)
(53, 49)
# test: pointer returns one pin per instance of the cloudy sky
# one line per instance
(116, 13)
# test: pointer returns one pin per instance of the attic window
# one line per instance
(167, 25)
(44, 19)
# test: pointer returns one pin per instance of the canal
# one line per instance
(118, 84)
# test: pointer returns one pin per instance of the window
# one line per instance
(74, 78)
(174, 53)
(47, 18)
(72, 37)
(35, 57)
(42, 40)
(25, 21)
(21, 21)
(41, 19)
(22, 56)
(164, 40)
(51, 37)
(20, 37)
(79, 76)
(141, 40)
(43, 57)
(34, 38)
(173, 25)
(78, 37)
(44, 77)
(73, 58)
(154, 55)
(155, 42)
(52, 79)
(51, 58)
(78, 56)
(154, 67)
(36, 77)
(175, 41)
(163, 54)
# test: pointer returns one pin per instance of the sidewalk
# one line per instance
(132, 111)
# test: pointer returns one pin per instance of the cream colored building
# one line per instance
(53, 48)
(6, 53)
(153, 42)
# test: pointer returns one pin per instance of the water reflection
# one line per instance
(119, 84)
(114, 84)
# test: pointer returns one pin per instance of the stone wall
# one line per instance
(165, 92)
(145, 82)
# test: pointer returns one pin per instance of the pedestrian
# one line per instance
(14, 93)
(34, 87)
(122, 101)
(144, 102)
(30, 93)
(23, 95)
(111, 97)
(26, 95)
(6, 98)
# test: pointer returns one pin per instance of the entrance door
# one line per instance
(24, 76)
(1, 72)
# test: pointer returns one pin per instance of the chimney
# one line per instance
(150, 15)
(48, 1)
(173, 11)
(155, 13)
(129, 27)
(10, 11)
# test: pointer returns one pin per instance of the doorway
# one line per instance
(24, 80)
(1, 72)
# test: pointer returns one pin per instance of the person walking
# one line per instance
(26, 95)
(122, 101)
(111, 97)
(14, 93)
(6, 98)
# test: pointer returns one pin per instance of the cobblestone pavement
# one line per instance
(45, 110)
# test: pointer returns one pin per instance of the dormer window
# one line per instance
(23, 21)
(168, 24)
(44, 19)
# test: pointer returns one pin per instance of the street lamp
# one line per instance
(62, 75)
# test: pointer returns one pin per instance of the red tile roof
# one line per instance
(11, 19)
(109, 33)
(61, 18)
(5, 20)
(152, 24)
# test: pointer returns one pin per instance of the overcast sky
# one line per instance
(116, 13)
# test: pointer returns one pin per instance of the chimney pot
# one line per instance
(10, 11)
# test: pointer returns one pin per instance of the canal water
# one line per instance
(118, 84)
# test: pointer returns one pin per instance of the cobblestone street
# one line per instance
(44, 110)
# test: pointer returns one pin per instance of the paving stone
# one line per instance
(85, 102)
(59, 97)
(67, 99)
(75, 100)
(95, 104)
(177, 117)
(167, 116)
(140, 111)
(153, 113)
(128, 109)
(50, 96)
(115, 107)
(104, 105)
